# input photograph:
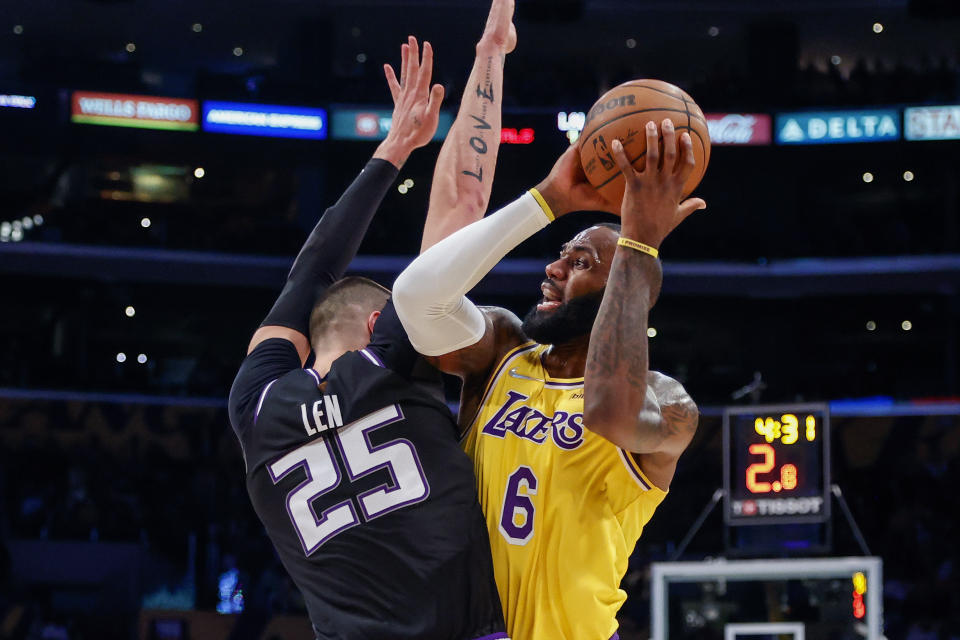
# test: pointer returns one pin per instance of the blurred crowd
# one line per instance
(575, 83)
(170, 481)
(827, 83)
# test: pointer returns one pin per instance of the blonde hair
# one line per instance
(343, 309)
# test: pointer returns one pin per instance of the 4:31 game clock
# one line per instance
(776, 464)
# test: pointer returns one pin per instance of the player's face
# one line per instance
(582, 268)
(573, 288)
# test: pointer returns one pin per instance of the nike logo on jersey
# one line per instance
(323, 415)
(514, 374)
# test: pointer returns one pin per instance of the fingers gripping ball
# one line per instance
(622, 113)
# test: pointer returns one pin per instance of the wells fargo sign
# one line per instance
(123, 110)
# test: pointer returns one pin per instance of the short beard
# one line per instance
(570, 320)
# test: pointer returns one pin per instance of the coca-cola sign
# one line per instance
(739, 128)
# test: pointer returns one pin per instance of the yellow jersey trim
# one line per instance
(559, 382)
(526, 346)
(556, 383)
(563, 383)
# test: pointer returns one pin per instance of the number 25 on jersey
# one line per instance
(323, 475)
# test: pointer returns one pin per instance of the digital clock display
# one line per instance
(776, 464)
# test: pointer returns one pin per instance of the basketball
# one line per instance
(623, 112)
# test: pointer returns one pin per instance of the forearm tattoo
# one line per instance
(618, 342)
(679, 419)
(485, 91)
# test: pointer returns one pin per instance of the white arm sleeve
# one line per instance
(429, 294)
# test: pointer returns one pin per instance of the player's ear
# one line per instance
(372, 320)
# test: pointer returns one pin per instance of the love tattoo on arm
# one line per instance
(485, 91)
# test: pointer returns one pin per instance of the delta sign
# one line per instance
(836, 127)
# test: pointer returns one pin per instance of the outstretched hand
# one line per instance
(566, 188)
(499, 32)
(416, 105)
(651, 203)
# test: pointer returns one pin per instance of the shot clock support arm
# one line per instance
(719, 494)
(695, 528)
(838, 494)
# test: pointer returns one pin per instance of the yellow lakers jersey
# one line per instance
(564, 506)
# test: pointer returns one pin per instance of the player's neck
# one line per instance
(567, 359)
(324, 360)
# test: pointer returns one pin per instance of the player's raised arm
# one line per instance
(430, 294)
(618, 402)
(333, 243)
(463, 177)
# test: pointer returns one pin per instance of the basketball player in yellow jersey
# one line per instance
(574, 440)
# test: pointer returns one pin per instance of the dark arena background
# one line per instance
(812, 310)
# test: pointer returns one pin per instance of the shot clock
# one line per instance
(776, 464)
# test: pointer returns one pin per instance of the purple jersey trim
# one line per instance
(316, 376)
(563, 385)
(627, 460)
(615, 636)
(372, 357)
(494, 636)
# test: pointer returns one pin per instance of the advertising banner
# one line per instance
(739, 128)
(932, 123)
(123, 110)
(515, 135)
(373, 124)
(834, 127)
(265, 120)
(17, 102)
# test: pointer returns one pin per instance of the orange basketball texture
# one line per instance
(623, 112)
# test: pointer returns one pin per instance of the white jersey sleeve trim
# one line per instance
(263, 395)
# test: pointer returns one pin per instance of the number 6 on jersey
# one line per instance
(516, 519)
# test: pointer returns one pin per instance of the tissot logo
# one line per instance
(838, 127)
(778, 506)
